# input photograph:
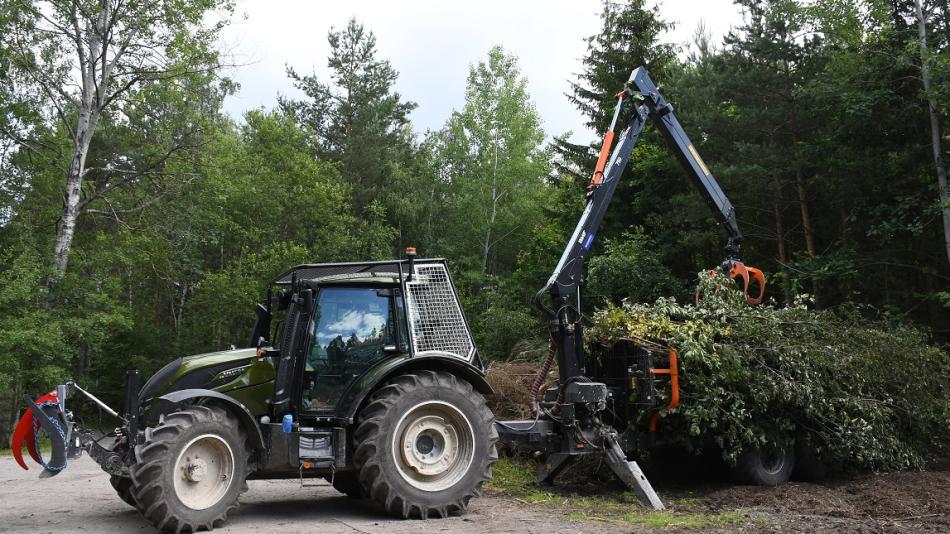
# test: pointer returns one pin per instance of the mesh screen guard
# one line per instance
(435, 317)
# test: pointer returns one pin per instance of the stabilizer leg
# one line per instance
(630, 474)
(551, 466)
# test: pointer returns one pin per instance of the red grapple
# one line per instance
(25, 430)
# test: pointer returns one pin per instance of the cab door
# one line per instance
(351, 329)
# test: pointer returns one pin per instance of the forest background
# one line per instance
(139, 222)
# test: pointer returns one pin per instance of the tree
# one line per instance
(491, 153)
(936, 130)
(629, 37)
(87, 58)
(357, 118)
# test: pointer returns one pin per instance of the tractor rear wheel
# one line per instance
(188, 474)
(123, 487)
(425, 442)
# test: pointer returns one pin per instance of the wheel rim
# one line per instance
(433, 446)
(772, 462)
(203, 472)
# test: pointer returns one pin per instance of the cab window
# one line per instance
(350, 328)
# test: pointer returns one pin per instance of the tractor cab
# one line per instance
(335, 332)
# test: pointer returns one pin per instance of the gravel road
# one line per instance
(80, 499)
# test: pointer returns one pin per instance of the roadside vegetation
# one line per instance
(514, 479)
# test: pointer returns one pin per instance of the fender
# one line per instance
(235, 407)
(388, 368)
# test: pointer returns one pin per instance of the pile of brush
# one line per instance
(867, 391)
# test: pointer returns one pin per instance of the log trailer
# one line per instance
(366, 374)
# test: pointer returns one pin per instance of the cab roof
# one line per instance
(367, 271)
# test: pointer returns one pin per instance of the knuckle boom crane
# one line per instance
(570, 420)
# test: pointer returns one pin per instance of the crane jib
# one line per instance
(564, 285)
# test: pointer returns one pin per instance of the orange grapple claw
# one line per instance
(740, 270)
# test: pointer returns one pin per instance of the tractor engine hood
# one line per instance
(202, 371)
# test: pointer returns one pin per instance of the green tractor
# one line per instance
(364, 374)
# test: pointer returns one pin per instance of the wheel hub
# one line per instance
(196, 470)
(430, 445)
(773, 462)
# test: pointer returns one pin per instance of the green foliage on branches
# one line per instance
(357, 119)
(630, 268)
(869, 393)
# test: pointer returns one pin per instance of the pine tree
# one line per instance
(357, 118)
(629, 38)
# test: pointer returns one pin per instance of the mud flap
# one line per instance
(45, 414)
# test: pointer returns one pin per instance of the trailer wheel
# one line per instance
(810, 466)
(425, 442)
(123, 487)
(188, 474)
(764, 468)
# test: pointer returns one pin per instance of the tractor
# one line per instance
(372, 382)
(366, 374)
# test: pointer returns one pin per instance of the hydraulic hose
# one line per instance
(542, 376)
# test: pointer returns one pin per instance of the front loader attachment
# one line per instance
(46, 414)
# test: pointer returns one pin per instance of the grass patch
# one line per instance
(515, 479)
(666, 519)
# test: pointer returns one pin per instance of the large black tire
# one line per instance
(810, 466)
(415, 425)
(123, 487)
(760, 468)
(348, 483)
(180, 478)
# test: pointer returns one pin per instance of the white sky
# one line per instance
(431, 44)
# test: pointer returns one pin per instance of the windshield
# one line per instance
(351, 326)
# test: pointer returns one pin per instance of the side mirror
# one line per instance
(283, 299)
(307, 295)
(261, 325)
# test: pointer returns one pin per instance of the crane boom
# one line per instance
(572, 419)
(564, 285)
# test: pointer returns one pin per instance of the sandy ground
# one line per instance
(80, 499)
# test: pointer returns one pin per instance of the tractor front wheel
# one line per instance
(189, 472)
(123, 487)
(425, 442)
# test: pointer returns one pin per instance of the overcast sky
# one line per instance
(431, 43)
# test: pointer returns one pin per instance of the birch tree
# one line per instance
(936, 132)
(492, 155)
(87, 59)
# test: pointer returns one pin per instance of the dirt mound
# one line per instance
(908, 501)
(892, 496)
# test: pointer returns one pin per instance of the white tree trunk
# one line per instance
(935, 129)
(91, 101)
